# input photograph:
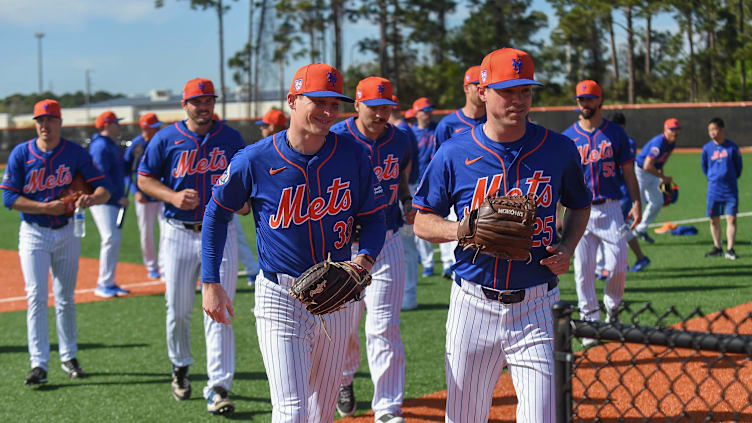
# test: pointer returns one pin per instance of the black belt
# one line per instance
(512, 297)
(271, 276)
(195, 227)
(62, 225)
(598, 202)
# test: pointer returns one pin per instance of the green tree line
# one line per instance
(24, 103)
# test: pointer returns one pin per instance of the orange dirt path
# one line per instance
(131, 276)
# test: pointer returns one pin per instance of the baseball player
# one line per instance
(425, 132)
(308, 188)
(650, 175)
(108, 156)
(147, 208)
(38, 170)
(722, 165)
(410, 296)
(464, 119)
(389, 151)
(180, 165)
(605, 153)
(272, 122)
(499, 310)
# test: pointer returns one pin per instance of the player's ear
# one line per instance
(291, 100)
(482, 93)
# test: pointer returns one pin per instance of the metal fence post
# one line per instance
(562, 312)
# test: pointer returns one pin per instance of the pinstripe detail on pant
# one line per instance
(146, 215)
(410, 298)
(105, 217)
(651, 196)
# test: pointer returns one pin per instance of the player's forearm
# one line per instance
(434, 228)
(649, 167)
(155, 189)
(29, 206)
(574, 224)
(404, 187)
(213, 239)
(372, 234)
(100, 195)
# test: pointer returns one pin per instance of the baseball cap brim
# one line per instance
(586, 96)
(379, 102)
(426, 109)
(673, 127)
(333, 94)
(513, 83)
(200, 95)
(46, 114)
(156, 124)
(260, 123)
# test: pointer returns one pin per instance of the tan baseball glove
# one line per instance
(328, 286)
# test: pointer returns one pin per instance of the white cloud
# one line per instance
(42, 13)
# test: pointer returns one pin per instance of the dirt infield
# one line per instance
(131, 276)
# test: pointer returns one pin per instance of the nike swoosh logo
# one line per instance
(30, 161)
(468, 162)
(179, 141)
(273, 171)
(459, 129)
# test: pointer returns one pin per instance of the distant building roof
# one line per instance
(172, 99)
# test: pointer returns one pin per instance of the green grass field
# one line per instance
(122, 341)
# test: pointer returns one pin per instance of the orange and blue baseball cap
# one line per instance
(422, 104)
(472, 75)
(375, 91)
(273, 117)
(409, 113)
(198, 87)
(507, 67)
(588, 89)
(396, 100)
(149, 120)
(106, 118)
(47, 108)
(672, 123)
(319, 80)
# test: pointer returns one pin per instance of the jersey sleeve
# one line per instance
(704, 160)
(130, 180)
(574, 192)
(98, 152)
(91, 173)
(370, 208)
(153, 162)
(13, 178)
(442, 133)
(433, 192)
(233, 188)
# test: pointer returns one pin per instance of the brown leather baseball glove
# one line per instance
(501, 227)
(70, 194)
(327, 286)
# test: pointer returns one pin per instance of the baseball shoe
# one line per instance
(105, 291)
(715, 252)
(640, 265)
(447, 274)
(602, 275)
(731, 254)
(612, 316)
(73, 369)
(154, 274)
(589, 342)
(36, 376)
(427, 272)
(251, 280)
(390, 418)
(643, 236)
(219, 401)
(181, 385)
(346, 405)
(121, 291)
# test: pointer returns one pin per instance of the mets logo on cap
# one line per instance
(198, 87)
(375, 91)
(506, 68)
(298, 84)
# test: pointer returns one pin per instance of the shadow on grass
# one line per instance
(55, 347)
(683, 288)
(427, 307)
(721, 265)
(439, 404)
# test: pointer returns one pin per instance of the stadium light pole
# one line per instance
(39, 36)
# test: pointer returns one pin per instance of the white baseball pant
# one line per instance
(447, 248)
(146, 215)
(483, 336)
(40, 250)
(384, 348)
(105, 217)
(651, 196)
(410, 298)
(303, 353)
(605, 227)
(245, 254)
(182, 269)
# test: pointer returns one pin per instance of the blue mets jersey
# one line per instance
(453, 124)
(414, 171)
(602, 152)
(182, 159)
(623, 187)
(304, 206)
(658, 148)
(426, 146)
(108, 156)
(41, 176)
(473, 166)
(389, 155)
(132, 157)
(722, 164)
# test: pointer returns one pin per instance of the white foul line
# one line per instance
(696, 220)
(84, 291)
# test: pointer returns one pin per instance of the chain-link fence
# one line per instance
(650, 366)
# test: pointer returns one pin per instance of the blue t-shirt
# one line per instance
(472, 166)
(453, 124)
(722, 165)
(426, 146)
(414, 166)
(658, 148)
(132, 157)
(108, 156)
(41, 176)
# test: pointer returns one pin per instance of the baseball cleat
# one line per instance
(715, 252)
(346, 405)
(36, 376)
(219, 401)
(73, 369)
(105, 292)
(121, 291)
(644, 236)
(390, 418)
(640, 265)
(409, 306)
(731, 254)
(181, 385)
(447, 274)
(251, 280)
(602, 275)
(153, 274)
(427, 272)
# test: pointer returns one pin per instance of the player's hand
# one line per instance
(635, 214)
(363, 261)
(216, 303)
(666, 179)
(186, 199)
(141, 198)
(124, 202)
(85, 201)
(558, 261)
(244, 210)
(410, 217)
(409, 211)
(55, 208)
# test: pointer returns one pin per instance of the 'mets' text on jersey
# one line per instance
(182, 159)
(304, 206)
(389, 155)
(602, 152)
(41, 176)
(472, 166)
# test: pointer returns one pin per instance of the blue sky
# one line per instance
(130, 46)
